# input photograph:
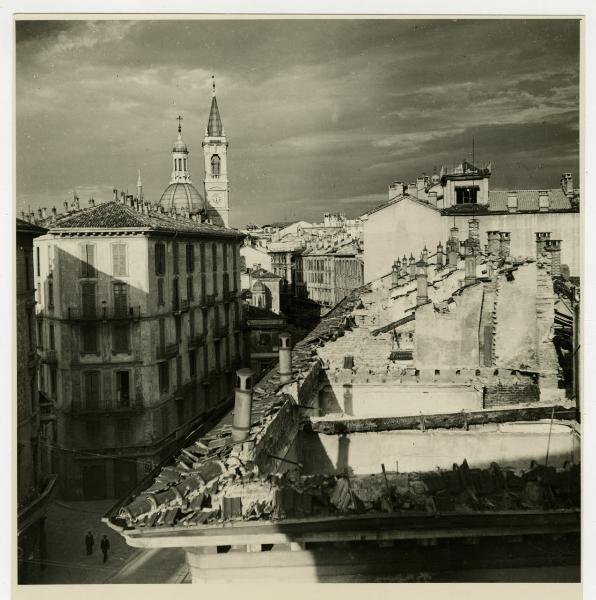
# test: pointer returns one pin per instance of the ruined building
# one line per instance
(424, 426)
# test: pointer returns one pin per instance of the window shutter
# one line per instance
(119, 259)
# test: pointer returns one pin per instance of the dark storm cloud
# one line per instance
(320, 114)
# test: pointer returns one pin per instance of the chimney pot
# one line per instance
(242, 405)
(512, 201)
(421, 283)
(285, 357)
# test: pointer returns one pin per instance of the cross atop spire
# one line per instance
(179, 119)
(213, 83)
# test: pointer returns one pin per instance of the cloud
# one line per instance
(320, 114)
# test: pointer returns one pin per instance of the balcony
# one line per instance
(129, 313)
(36, 507)
(47, 356)
(108, 405)
(210, 299)
(167, 351)
(230, 295)
(181, 306)
(219, 332)
(197, 340)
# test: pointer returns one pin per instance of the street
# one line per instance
(67, 561)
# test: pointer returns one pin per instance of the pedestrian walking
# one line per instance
(105, 546)
(89, 541)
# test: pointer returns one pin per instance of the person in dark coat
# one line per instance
(105, 546)
(89, 541)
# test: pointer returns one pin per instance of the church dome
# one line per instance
(179, 145)
(258, 286)
(182, 196)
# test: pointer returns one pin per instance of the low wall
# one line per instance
(511, 445)
(385, 399)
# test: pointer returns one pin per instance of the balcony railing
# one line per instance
(108, 405)
(194, 341)
(167, 351)
(181, 306)
(219, 332)
(104, 314)
(47, 356)
(210, 299)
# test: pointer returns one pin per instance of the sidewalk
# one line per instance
(67, 561)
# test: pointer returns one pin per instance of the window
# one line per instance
(91, 384)
(215, 165)
(189, 288)
(164, 377)
(217, 348)
(191, 323)
(123, 432)
(37, 268)
(50, 293)
(119, 267)
(88, 260)
(160, 292)
(264, 339)
(178, 325)
(39, 333)
(235, 258)
(92, 431)
(121, 338)
(89, 339)
(160, 259)
(52, 337)
(176, 249)
(88, 297)
(179, 371)
(180, 411)
(120, 299)
(214, 266)
(225, 256)
(54, 382)
(165, 421)
(162, 333)
(466, 195)
(175, 294)
(192, 363)
(190, 258)
(202, 257)
(123, 388)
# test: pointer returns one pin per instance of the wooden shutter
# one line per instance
(91, 389)
(119, 260)
(88, 260)
(88, 296)
(120, 299)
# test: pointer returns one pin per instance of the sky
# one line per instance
(320, 115)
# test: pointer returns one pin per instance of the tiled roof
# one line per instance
(115, 215)
(261, 273)
(399, 198)
(257, 312)
(32, 228)
(527, 200)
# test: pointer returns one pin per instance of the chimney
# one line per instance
(543, 201)
(474, 232)
(541, 238)
(54, 212)
(285, 357)
(92, 201)
(421, 283)
(567, 184)
(440, 256)
(242, 405)
(424, 255)
(115, 198)
(470, 276)
(395, 269)
(554, 247)
(66, 206)
(505, 246)
(512, 201)
(412, 268)
(432, 198)
(396, 188)
(494, 242)
(404, 267)
(39, 213)
(420, 182)
(32, 217)
(44, 213)
(453, 247)
(23, 215)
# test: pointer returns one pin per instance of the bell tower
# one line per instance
(215, 149)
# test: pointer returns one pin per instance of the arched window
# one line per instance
(215, 165)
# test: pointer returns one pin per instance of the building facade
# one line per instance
(141, 314)
(421, 213)
(35, 426)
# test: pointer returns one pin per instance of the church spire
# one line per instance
(180, 171)
(214, 126)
